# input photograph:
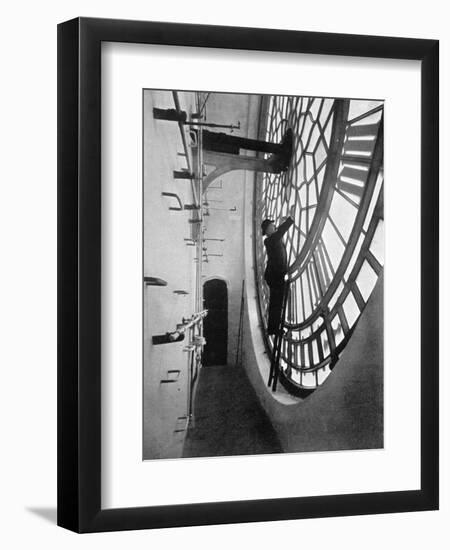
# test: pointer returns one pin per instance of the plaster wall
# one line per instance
(227, 223)
(166, 256)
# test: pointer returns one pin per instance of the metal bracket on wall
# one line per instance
(176, 197)
(168, 338)
(154, 281)
(178, 334)
(183, 175)
(172, 376)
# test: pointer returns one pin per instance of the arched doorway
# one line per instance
(215, 324)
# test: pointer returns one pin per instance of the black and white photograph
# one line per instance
(226, 266)
(263, 255)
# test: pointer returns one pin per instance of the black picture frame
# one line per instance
(79, 274)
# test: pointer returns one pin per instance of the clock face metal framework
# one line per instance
(335, 249)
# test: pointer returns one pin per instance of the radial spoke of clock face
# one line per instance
(335, 247)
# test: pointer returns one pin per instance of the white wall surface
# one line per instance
(166, 256)
(227, 109)
(28, 286)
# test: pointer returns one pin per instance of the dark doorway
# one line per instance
(215, 324)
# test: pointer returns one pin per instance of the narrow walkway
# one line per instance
(228, 419)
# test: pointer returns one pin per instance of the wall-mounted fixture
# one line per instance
(183, 175)
(176, 197)
(179, 333)
(154, 281)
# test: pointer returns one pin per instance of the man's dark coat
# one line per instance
(274, 274)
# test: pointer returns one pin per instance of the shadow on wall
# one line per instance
(347, 411)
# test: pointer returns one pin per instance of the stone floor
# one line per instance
(228, 419)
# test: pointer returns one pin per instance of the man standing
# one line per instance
(276, 268)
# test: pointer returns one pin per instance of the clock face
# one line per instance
(334, 189)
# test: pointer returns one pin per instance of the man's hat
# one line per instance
(265, 224)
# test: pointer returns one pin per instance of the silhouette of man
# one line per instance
(276, 268)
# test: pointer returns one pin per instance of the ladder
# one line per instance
(276, 350)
